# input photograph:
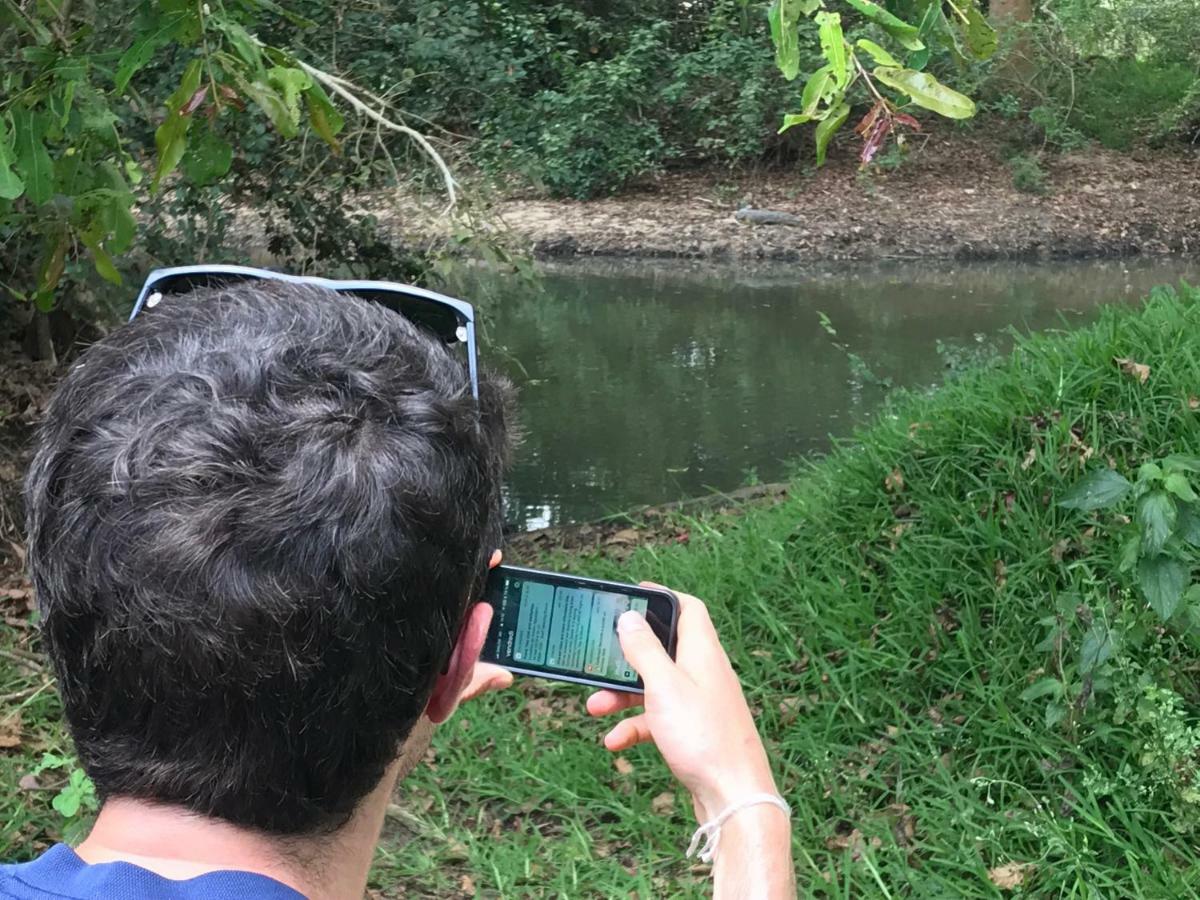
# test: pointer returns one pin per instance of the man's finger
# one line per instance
(643, 649)
(628, 733)
(605, 703)
(487, 677)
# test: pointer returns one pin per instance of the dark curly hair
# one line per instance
(256, 517)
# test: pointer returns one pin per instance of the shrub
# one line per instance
(596, 133)
(1028, 176)
(1119, 102)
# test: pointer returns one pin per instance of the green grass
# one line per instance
(886, 619)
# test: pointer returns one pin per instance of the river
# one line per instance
(642, 382)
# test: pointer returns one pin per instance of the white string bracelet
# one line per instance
(710, 831)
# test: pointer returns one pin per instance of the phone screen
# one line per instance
(553, 625)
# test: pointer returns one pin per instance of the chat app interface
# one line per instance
(567, 628)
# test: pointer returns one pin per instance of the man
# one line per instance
(258, 518)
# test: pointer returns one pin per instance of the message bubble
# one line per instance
(573, 609)
(533, 623)
(604, 657)
(621, 669)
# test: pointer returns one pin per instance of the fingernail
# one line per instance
(631, 620)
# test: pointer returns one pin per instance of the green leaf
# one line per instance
(1096, 649)
(784, 19)
(66, 802)
(791, 120)
(785, 38)
(33, 163)
(208, 158)
(1055, 713)
(908, 36)
(1149, 472)
(78, 792)
(1156, 515)
(1096, 490)
(1045, 687)
(1181, 462)
(1176, 483)
(11, 185)
(1191, 599)
(877, 53)
(324, 117)
(818, 87)
(101, 259)
(244, 45)
(980, 36)
(1188, 525)
(170, 138)
(133, 171)
(122, 223)
(1163, 580)
(833, 46)
(136, 57)
(272, 103)
(1131, 549)
(1050, 641)
(188, 85)
(828, 128)
(927, 91)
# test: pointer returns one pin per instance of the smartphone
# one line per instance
(564, 627)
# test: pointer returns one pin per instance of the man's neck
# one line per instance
(178, 844)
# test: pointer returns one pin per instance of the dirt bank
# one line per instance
(619, 536)
(953, 198)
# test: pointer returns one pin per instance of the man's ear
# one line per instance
(450, 684)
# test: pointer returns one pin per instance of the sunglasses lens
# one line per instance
(431, 315)
(186, 282)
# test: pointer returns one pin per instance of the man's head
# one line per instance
(256, 516)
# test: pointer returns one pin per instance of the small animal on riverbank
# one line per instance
(751, 216)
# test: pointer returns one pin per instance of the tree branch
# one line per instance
(351, 94)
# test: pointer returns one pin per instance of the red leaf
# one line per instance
(194, 103)
(868, 121)
(908, 121)
(875, 139)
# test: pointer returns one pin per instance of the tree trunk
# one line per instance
(1014, 15)
(1011, 10)
(45, 341)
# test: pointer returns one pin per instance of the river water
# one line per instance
(642, 382)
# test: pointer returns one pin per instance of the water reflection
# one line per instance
(647, 382)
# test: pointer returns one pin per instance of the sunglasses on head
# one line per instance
(451, 320)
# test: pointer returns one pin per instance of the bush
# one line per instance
(1120, 102)
(599, 132)
(1028, 176)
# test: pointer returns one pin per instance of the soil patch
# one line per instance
(25, 389)
(953, 198)
(618, 536)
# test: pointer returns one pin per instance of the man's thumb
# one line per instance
(642, 647)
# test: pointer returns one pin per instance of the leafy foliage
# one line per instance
(69, 172)
(147, 113)
(1120, 73)
(826, 98)
(1161, 539)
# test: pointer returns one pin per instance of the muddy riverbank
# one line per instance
(952, 198)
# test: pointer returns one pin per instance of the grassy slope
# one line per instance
(886, 633)
(886, 637)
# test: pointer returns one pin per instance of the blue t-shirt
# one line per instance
(59, 874)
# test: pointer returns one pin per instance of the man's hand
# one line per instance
(696, 714)
(486, 677)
